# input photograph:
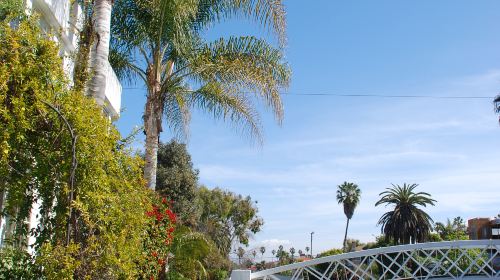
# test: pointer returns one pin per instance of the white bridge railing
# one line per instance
(450, 259)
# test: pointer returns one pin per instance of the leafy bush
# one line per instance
(17, 264)
(58, 149)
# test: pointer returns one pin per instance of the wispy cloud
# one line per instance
(450, 149)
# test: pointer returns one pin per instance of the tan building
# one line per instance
(484, 228)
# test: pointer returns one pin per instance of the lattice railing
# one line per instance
(450, 259)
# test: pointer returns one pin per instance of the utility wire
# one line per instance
(380, 95)
(392, 96)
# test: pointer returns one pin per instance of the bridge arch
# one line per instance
(472, 259)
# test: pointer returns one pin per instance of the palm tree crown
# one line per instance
(262, 250)
(162, 43)
(406, 223)
(349, 195)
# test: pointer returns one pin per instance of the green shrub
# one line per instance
(17, 264)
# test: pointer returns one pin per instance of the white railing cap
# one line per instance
(383, 250)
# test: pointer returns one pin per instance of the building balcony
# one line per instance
(64, 18)
(113, 93)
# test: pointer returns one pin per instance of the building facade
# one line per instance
(484, 228)
(64, 17)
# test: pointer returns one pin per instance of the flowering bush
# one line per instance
(162, 222)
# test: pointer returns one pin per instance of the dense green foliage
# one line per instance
(211, 221)
(283, 256)
(17, 264)
(57, 149)
(177, 179)
(380, 241)
(406, 223)
(452, 230)
(226, 217)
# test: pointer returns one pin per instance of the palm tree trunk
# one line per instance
(153, 113)
(345, 236)
(100, 49)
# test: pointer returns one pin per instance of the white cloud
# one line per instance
(272, 243)
(450, 148)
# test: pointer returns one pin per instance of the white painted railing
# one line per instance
(113, 93)
(450, 259)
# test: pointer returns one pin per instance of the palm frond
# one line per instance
(227, 104)
(124, 67)
(245, 63)
(270, 14)
(176, 110)
(496, 103)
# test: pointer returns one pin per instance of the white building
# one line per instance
(64, 17)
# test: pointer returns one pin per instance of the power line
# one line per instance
(392, 96)
(379, 95)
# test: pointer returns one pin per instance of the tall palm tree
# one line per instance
(349, 195)
(161, 42)
(406, 223)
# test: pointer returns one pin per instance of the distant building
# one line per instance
(484, 228)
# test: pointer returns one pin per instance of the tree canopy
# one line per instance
(177, 179)
(452, 230)
(406, 223)
(227, 217)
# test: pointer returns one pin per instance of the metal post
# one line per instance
(312, 244)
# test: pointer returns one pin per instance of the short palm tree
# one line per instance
(262, 250)
(349, 195)
(406, 223)
(189, 250)
(162, 43)
(240, 253)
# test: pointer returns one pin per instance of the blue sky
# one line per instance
(450, 147)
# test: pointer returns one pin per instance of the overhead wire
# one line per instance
(378, 95)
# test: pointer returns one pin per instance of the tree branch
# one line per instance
(74, 164)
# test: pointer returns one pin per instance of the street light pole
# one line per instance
(312, 244)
